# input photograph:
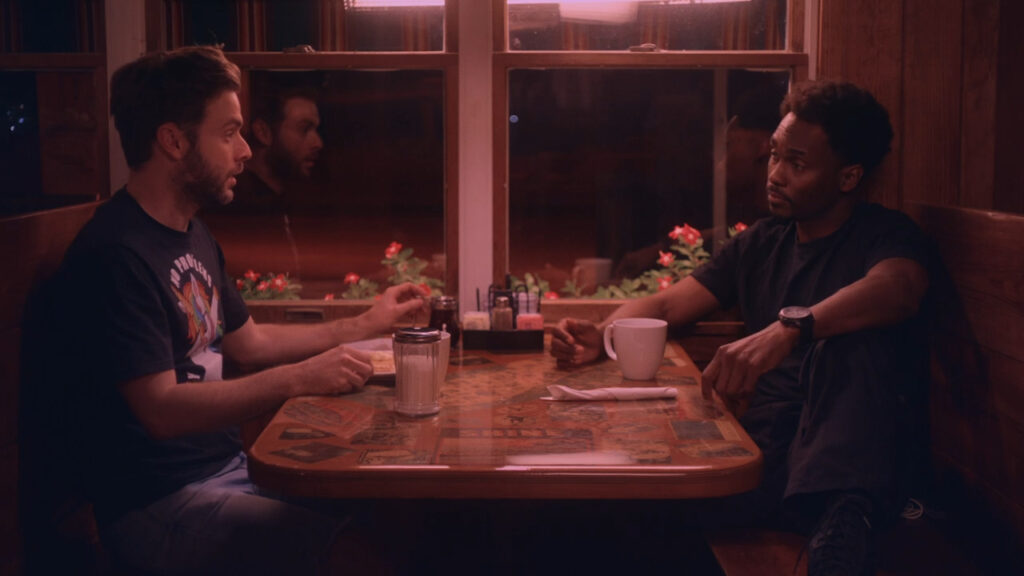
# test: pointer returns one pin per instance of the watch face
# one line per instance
(794, 312)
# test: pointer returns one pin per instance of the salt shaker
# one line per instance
(418, 371)
(501, 315)
(444, 315)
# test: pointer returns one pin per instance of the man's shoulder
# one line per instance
(877, 218)
(109, 224)
(117, 230)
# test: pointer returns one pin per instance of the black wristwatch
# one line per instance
(800, 318)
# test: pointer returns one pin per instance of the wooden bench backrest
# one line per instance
(33, 247)
(977, 394)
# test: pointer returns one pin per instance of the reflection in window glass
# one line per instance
(408, 29)
(322, 201)
(48, 135)
(326, 25)
(604, 163)
(672, 25)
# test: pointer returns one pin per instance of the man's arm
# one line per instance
(260, 345)
(578, 341)
(168, 409)
(891, 292)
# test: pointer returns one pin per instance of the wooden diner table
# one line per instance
(496, 438)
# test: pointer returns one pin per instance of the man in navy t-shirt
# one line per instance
(151, 317)
(829, 289)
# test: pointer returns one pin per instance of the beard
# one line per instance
(200, 184)
(284, 165)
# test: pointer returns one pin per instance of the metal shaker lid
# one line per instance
(444, 303)
(424, 335)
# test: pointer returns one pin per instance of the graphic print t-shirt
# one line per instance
(149, 299)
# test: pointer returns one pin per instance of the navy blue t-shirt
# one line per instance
(144, 299)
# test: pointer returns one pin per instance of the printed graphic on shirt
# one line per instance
(199, 300)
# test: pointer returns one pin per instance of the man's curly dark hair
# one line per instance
(857, 126)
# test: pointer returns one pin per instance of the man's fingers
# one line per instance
(409, 306)
(708, 378)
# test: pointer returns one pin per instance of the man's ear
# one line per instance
(262, 133)
(171, 140)
(850, 177)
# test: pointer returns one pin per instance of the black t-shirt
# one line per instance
(144, 299)
(765, 269)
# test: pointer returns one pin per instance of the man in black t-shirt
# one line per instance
(150, 318)
(829, 288)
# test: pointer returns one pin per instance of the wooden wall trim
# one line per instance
(933, 47)
(978, 125)
(1009, 178)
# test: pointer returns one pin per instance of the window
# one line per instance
(624, 119)
(53, 129)
(382, 86)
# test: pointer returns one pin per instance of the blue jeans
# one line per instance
(222, 525)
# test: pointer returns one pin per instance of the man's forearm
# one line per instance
(889, 294)
(684, 302)
(197, 407)
(274, 344)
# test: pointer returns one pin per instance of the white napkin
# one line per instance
(559, 392)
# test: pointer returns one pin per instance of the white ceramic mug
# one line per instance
(637, 344)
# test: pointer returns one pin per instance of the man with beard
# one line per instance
(144, 331)
(832, 373)
(285, 145)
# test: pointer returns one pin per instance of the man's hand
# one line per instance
(734, 370)
(405, 301)
(575, 342)
(338, 370)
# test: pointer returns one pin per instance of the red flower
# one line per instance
(664, 282)
(262, 286)
(251, 276)
(425, 288)
(392, 250)
(687, 233)
(239, 284)
(552, 295)
(351, 278)
(329, 296)
(666, 258)
(279, 283)
(740, 227)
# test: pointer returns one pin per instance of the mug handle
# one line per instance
(608, 342)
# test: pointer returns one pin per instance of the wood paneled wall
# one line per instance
(949, 73)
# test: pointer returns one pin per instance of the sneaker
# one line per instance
(842, 544)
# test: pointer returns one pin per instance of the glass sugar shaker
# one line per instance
(418, 373)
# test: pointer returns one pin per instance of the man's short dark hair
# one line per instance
(857, 126)
(268, 104)
(166, 87)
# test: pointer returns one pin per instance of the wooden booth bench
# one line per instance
(34, 246)
(973, 520)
